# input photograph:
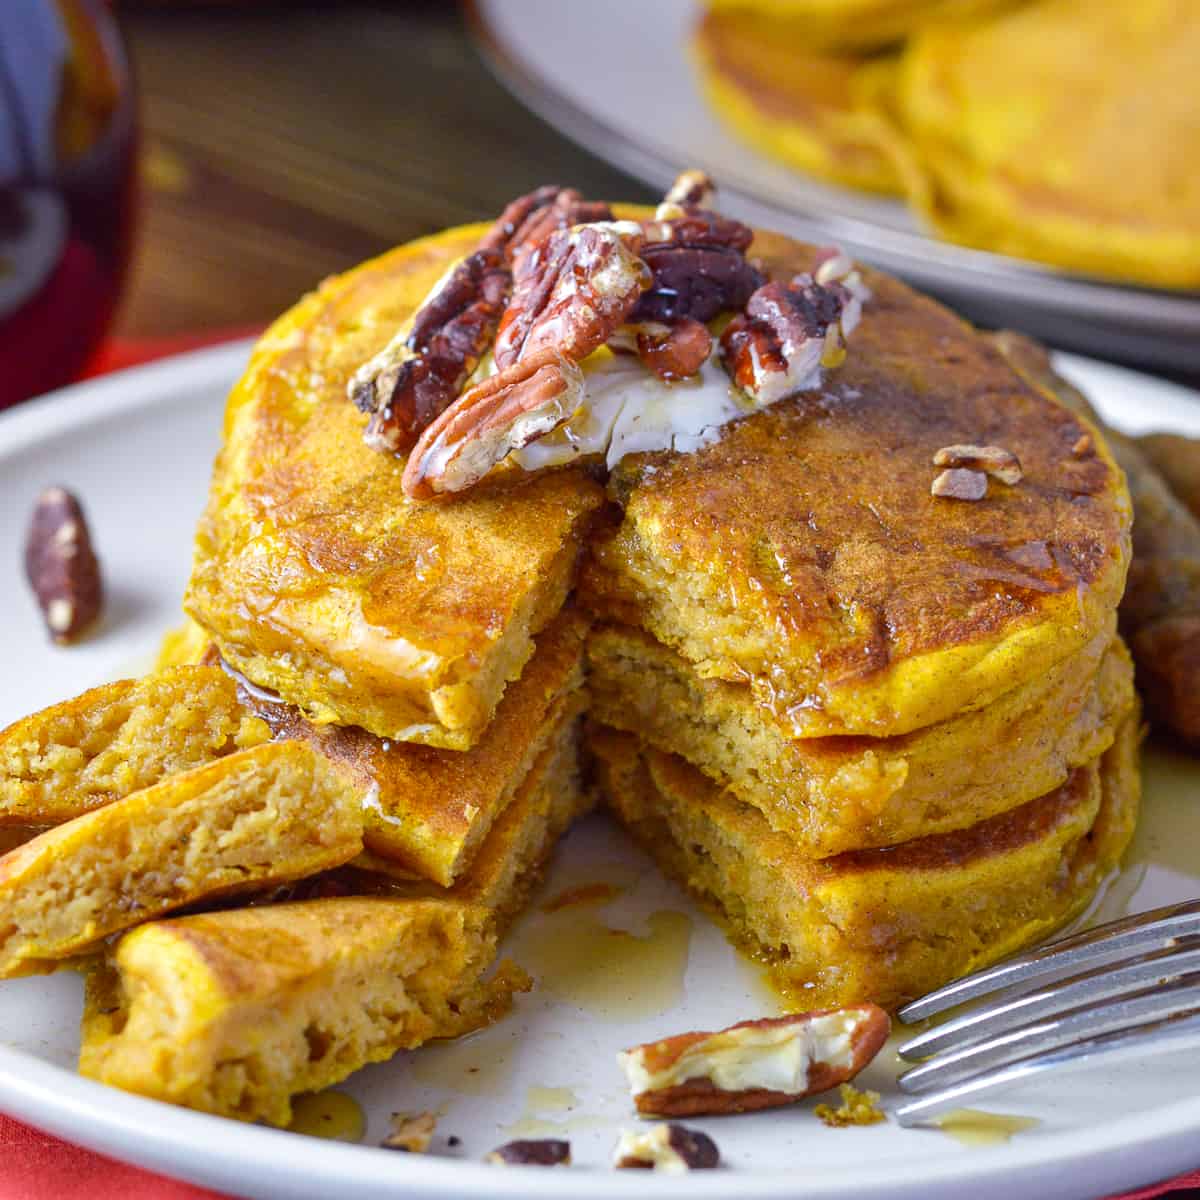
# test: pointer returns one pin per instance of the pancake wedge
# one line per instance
(803, 553)
(829, 795)
(1064, 131)
(252, 819)
(428, 810)
(880, 925)
(236, 1012)
(320, 580)
(116, 739)
(818, 111)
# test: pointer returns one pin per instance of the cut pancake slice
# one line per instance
(882, 925)
(511, 861)
(116, 739)
(319, 579)
(262, 816)
(428, 810)
(803, 553)
(236, 1012)
(848, 793)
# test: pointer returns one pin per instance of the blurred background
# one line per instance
(176, 171)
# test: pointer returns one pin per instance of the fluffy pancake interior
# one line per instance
(843, 793)
(117, 738)
(883, 925)
(267, 815)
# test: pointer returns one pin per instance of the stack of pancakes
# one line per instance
(885, 736)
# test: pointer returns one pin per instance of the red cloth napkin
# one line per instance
(36, 1166)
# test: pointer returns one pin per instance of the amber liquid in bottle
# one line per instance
(67, 151)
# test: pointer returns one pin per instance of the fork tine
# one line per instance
(1102, 983)
(1161, 927)
(1180, 997)
(1156, 1037)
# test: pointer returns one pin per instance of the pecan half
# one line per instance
(532, 1152)
(789, 332)
(754, 1064)
(61, 565)
(501, 414)
(530, 220)
(670, 1148)
(959, 483)
(573, 293)
(999, 463)
(421, 371)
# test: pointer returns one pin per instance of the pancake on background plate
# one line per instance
(1065, 131)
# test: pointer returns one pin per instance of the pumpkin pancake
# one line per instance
(1064, 131)
(812, 110)
(320, 580)
(883, 925)
(802, 553)
(829, 795)
(854, 24)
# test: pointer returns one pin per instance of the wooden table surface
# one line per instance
(284, 143)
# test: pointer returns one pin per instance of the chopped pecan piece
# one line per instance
(574, 293)
(691, 189)
(61, 565)
(502, 413)
(411, 1132)
(670, 1148)
(420, 372)
(1001, 464)
(788, 333)
(673, 351)
(534, 1152)
(959, 483)
(754, 1064)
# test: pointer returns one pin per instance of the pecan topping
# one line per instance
(573, 293)
(61, 565)
(788, 333)
(569, 299)
(754, 1064)
(530, 220)
(534, 1152)
(673, 351)
(959, 483)
(420, 372)
(671, 1148)
(692, 189)
(501, 414)
(999, 463)
(411, 1132)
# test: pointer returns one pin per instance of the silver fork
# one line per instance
(1126, 989)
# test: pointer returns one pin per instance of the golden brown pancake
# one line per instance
(829, 795)
(882, 925)
(320, 580)
(241, 824)
(236, 1012)
(428, 810)
(850, 23)
(818, 111)
(1065, 131)
(803, 554)
(117, 738)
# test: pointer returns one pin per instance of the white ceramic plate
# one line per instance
(615, 77)
(137, 447)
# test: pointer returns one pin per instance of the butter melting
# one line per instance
(332, 1115)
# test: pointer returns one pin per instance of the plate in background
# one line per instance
(137, 446)
(615, 77)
